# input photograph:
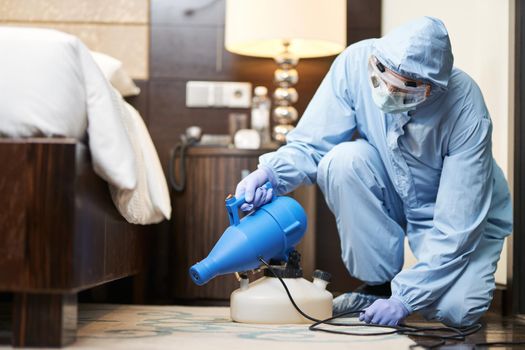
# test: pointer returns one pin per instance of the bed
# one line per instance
(61, 234)
(80, 182)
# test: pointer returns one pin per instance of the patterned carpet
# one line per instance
(200, 328)
(177, 327)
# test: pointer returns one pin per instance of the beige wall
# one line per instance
(480, 35)
(119, 28)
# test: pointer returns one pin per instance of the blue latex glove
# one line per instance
(254, 194)
(387, 312)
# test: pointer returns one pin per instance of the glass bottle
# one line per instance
(260, 117)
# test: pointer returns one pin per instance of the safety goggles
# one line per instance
(413, 92)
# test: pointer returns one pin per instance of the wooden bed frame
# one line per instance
(60, 234)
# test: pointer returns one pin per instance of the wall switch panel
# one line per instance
(218, 94)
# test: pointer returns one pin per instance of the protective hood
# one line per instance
(419, 49)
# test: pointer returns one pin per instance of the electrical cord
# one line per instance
(177, 186)
(181, 149)
(440, 334)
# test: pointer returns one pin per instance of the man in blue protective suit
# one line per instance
(422, 167)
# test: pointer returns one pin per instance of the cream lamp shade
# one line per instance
(313, 28)
(285, 30)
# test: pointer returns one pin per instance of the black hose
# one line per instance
(455, 334)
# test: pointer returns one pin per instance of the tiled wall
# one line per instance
(119, 28)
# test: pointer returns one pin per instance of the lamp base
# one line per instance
(285, 76)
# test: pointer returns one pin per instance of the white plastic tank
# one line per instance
(266, 301)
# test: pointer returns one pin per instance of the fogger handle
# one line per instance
(233, 205)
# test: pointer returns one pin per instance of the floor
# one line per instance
(131, 327)
(495, 328)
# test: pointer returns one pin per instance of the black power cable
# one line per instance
(179, 151)
(440, 334)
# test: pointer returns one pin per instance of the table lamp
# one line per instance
(285, 30)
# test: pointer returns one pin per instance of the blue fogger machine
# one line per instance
(270, 232)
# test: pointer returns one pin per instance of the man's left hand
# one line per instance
(387, 312)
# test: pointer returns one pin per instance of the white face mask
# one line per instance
(390, 103)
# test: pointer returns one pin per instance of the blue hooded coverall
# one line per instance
(428, 173)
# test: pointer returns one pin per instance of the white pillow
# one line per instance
(115, 73)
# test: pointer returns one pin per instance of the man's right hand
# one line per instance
(254, 194)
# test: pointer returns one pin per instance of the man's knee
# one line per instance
(461, 313)
(346, 162)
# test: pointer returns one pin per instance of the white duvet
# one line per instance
(51, 86)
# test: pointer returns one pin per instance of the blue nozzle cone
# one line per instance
(233, 252)
(201, 273)
(270, 232)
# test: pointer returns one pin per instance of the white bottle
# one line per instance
(261, 114)
(266, 301)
